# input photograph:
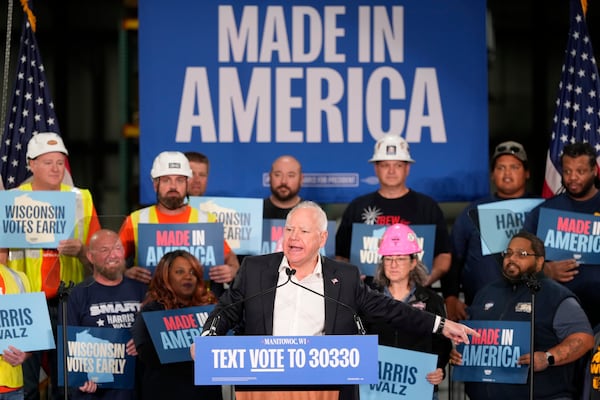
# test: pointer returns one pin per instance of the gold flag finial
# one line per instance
(30, 16)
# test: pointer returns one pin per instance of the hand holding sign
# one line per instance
(70, 247)
(139, 274)
(14, 356)
(562, 271)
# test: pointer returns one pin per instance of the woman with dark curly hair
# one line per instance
(177, 283)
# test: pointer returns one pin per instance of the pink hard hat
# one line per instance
(399, 240)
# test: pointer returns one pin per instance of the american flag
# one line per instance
(31, 111)
(577, 116)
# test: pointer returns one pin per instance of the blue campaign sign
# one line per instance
(569, 235)
(493, 356)
(36, 219)
(241, 219)
(25, 322)
(500, 220)
(365, 243)
(173, 331)
(203, 240)
(322, 81)
(283, 360)
(96, 354)
(272, 240)
(401, 373)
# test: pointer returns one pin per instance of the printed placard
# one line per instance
(365, 243)
(96, 354)
(241, 218)
(402, 373)
(173, 331)
(493, 356)
(36, 219)
(323, 81)
(25, 322)
(569, 235)
(272, 240)
(500, 220)
(203, 240)
(280, 360)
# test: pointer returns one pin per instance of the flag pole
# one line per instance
(9, 16)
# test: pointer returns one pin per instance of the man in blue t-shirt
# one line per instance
(106, 299)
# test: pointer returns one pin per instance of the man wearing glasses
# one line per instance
(581, 195)
(562, 333)
(470, 269)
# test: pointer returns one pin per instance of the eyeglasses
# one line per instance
(519, 253)
(396, 260)
(513, 149)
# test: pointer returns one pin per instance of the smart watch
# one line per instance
(550, 358)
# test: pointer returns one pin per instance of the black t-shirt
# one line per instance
(413, 208)
(271, 211)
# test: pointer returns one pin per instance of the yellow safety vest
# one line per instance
(14, 283)
(148, 216)
(29, 261)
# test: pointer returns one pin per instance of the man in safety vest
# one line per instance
(170, 174)
(46, 268)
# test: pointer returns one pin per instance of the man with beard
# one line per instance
(285, 181)
(562, 333)
(581, 195)
(106, 299)
(170, 173)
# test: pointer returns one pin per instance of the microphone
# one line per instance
(212, 330)
(532, 282)
(359, 324)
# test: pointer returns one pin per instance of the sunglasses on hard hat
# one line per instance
(514, 149)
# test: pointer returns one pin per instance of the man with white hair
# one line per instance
(309, 304)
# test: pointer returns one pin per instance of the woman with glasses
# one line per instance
(401, 275)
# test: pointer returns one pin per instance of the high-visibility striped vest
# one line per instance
(148, 216)
(29, 261)
(13, 282)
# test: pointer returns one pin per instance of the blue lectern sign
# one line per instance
(294, 360)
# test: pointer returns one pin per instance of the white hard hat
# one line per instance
(171, 163)
(45, 142)
(391, 148)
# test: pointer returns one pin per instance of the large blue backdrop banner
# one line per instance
(244, 82)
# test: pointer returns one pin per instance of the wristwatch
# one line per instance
(440, 327)
(550, 358)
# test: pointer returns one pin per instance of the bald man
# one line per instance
(285, 180)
